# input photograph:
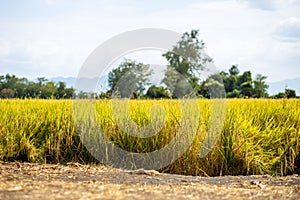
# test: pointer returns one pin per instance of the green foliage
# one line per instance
(129, 75)
(213, 87)
(115, 75)
(288, 93)
(157, 92)
(170, 80)
(260, 86)
(245, 84)
(238, 85)
(187, 58)
(14, 87)
(234, 71)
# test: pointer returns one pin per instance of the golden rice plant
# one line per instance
(258, 136)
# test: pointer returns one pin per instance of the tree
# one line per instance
(21, 87)
(69, 93)
(130, 78)
(213, 87)
(231, 81)
(32, 90)
(289, 93)
(234, 94)
(236, 85)
(61, 93)
(170, 80)
(41, 80)
(155, 92)
(115, 75)
(14, 87)
(187, 58)
(260, 86)
(141, 73)
(48, 90)
(233, 84)
(2, 81)
(280, 95)
(234, 71)
(105, 95)
(7, 93)
(245, 84)
(83, 95)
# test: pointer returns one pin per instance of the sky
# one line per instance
(50, 38)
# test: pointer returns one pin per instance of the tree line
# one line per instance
(131, 79)
(233, 83)
(14, 87)
(186, 61)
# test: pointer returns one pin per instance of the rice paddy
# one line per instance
(258, 136)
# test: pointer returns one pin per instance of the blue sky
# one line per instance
(54, 37)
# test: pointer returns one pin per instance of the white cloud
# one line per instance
(5, 48)
(51, 2)
(269, 5)
(261, 4)
(288, 30)
(234, 34)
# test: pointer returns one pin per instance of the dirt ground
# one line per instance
(75, 181)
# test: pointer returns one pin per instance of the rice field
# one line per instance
(258, 136)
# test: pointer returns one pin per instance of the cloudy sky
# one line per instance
(54, 37)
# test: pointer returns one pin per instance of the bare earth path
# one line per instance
(75, 181)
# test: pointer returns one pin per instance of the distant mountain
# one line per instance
(84, 84)
(275, 87)
(70, 81)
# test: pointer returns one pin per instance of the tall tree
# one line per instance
(115, 75)
(233, 78)
(141, 73)
(245, 84)
(130, 76)
(260, 86)
(187, 58)
(61, 87)
(234, 70)
(170, 80)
